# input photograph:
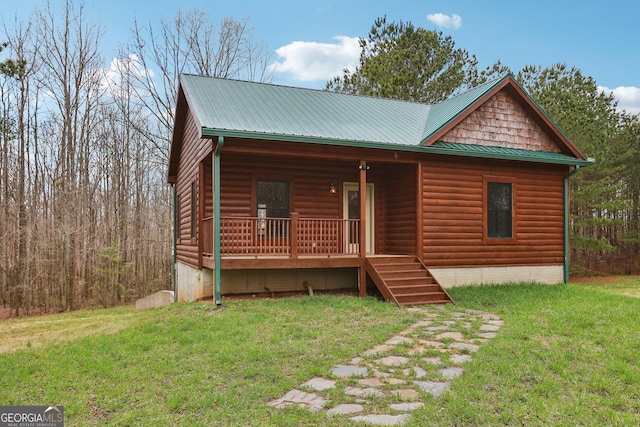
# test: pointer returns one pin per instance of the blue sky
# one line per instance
(313, 40)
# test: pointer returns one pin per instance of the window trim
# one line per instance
(485, 210)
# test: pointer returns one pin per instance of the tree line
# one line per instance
(85, 214)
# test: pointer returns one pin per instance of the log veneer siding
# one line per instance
(194, 150)
(400, 210)
(453, 214)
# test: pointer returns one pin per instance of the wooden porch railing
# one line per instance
(290, 237)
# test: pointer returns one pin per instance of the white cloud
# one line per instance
(628, 97)
(454, 21)
(112, 78)
(312, 61)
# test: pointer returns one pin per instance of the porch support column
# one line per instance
(362, 193)
(217, 260)
(294, 235)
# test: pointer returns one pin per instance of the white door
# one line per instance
(351, 210)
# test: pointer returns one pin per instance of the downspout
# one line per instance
(216, 221)
(566, 222)
(175, 258)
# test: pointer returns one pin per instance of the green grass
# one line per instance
(189, 364)
(566, 355)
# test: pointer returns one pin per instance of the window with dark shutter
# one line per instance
(499, 210)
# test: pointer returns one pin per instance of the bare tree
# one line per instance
(191, 43)
(69, 62)
(85, 215)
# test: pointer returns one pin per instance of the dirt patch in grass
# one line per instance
(623, 285)
(602, 280)
(24, 332)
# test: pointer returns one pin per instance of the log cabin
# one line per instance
(281, 189)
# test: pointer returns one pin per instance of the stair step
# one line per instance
(425, 296)
(406, 280)
(398, 266)
(393, 260)
(392, 283)
(441, 301)
(414, 289)
(403, 274)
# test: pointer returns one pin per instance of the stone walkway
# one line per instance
(389, 381)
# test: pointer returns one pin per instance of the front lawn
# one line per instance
(566, 355)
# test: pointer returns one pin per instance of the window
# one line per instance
(176, 219)
(194, 208)
(272, 200)
(499, 210)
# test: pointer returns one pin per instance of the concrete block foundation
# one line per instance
(158, 299)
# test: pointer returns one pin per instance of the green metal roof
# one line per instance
(264, 109)
(472, 150)
(226, 107)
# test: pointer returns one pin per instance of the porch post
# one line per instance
(294, 235)
(217, 260)
(362, 192)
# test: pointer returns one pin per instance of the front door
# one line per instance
(351, 210)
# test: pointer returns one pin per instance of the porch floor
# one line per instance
(260, 262)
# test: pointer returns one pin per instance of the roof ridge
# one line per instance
(276, 85)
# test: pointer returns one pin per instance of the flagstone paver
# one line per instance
(310, 401)
(406, 407)
(346, 409)
(406, 394)
(384, 374)
(450, 373)
(460, 358)
(394, 360)
(487, 335)
(349, 371)
(398, 339)
(433, 360)
(319, 384)
(357, 391)
(435, 388)
(383, 420)
(370, 382)
(465, 346)
(457, 336)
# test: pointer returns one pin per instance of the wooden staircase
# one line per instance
(405, 280)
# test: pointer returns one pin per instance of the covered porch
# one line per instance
(289, 217)
(288, 203)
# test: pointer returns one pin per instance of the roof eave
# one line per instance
(227, 133)
(178, 128)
